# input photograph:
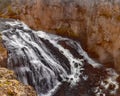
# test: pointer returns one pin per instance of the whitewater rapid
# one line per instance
(45, 61)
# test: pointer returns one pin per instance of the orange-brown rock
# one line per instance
(96, 23)
(104, 34)
(3, 54)
(9, 86)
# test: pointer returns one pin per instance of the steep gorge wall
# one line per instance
(95, 23)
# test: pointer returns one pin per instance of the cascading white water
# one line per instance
(45, 61)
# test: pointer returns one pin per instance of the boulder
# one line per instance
(9, 86)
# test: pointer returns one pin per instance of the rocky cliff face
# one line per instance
(94, 22)
(9, 86)
(3, 55)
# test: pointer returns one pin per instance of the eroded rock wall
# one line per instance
(3, 54)
(95, 23)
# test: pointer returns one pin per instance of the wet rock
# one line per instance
(97, 28)
(3, 51)
(3, 54)
(90, 80)
(9, 86)
(94, 23)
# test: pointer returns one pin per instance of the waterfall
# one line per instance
(45, 61)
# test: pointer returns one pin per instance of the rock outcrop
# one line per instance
(9, 86)
(95, 23)
(3, 54)
(3, 50)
